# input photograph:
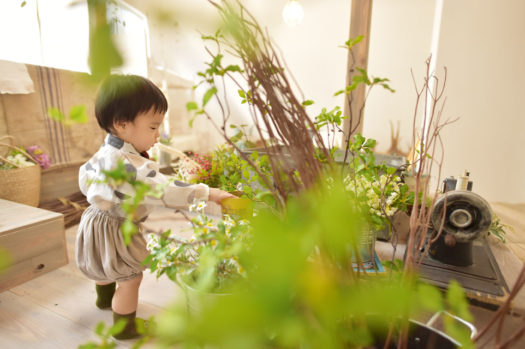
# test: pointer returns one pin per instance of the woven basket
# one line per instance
(22, 184)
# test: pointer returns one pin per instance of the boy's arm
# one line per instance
(176, 194)
(217, 195)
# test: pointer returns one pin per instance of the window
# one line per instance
(56, 34)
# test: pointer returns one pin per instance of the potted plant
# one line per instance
(207, 264)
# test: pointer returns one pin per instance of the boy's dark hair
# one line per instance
(123, 97)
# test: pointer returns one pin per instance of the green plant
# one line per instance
(377, 186)
(302, 290)
(209, 260)
(226, 169)
(498, 229)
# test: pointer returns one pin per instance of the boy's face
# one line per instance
(143, 132)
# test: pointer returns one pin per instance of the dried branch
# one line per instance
(275, 110)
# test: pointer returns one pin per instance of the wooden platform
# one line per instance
(33, 241)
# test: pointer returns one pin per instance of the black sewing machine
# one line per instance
(462, 252)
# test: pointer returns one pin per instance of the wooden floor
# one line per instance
(57, 310)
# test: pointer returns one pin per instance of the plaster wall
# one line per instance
(400, 43)
(311, 50)
(482, 45)
(477, 41)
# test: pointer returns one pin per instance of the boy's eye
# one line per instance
(153, 128)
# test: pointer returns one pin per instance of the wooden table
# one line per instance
(509, 264)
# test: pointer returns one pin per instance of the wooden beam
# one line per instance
(360, 18)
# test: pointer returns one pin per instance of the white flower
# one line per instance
(200, 206)
(20, 160)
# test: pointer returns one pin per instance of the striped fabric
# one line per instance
(49, 86)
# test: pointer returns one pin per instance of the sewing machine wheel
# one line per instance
(467, 215)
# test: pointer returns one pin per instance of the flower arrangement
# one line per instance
(15, 160)
(381, 196)
(20, 158)
(225, 169)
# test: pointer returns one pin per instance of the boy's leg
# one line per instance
(105, 292)
(124, 306)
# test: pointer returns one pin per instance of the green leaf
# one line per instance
(217, 60)
(23, 3)
(77, 114)
(208, 37)
(370, 143)
(99, 329)
(56, 114)
(207, 96)
(457, 301)
(118, 326)
(103, 52)
(387, 87)
(391, 170)
(350, 88)
(191, 106)
(141, 325)
(128, 228)
(233, 68)
(89, 345)
(430, 297)
(307, 103)
(241, 93)
(350, 43)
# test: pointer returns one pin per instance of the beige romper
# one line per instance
(100, 250)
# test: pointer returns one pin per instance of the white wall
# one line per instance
(483, 46)
(479, 41)
(400, 41)
(311, 50)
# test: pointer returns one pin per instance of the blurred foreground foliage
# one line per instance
(302, 291)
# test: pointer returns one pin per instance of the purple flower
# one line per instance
(38, 154)
(165, 138)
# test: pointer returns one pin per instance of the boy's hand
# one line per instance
(217, 195)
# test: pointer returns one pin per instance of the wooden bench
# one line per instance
(33, 241)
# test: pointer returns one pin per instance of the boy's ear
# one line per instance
(119, 125)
